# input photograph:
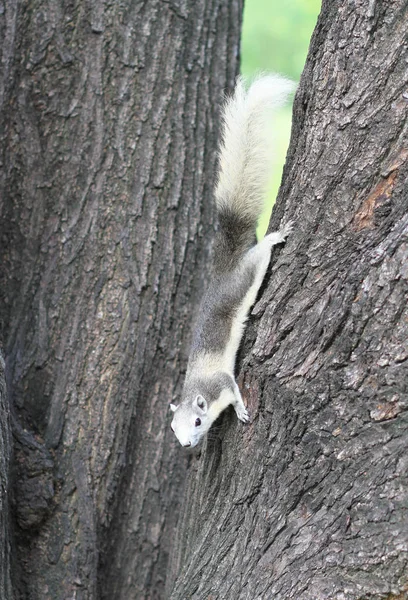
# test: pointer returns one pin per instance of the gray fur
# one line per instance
(218, 308)
(209, 387)
(236, 234)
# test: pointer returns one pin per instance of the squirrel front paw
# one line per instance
(242, 413)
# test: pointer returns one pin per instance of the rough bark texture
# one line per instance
(310, 501)
(5, 449)
(110, 120)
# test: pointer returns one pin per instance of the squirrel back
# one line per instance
(245, 159)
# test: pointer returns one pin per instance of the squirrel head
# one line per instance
(191, 421)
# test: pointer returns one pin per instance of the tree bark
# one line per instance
(110, 114)
(5, 449)
(309, 502)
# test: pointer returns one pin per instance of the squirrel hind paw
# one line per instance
(287, 229)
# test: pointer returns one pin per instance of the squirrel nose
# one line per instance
(187, 445)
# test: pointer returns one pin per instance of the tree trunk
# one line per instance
(110, 115)
(309, 502)
(5, 448)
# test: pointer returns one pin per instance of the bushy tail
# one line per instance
(245, 162)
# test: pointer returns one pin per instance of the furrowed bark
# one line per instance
(310, 501)
(110, 114)
(5, 449)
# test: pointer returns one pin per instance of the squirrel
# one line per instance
(239, 263)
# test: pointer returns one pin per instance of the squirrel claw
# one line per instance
(287, 229)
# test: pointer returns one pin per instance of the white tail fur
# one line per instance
(247, 143)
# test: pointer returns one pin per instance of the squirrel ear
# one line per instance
(173, 407)
(200, 404)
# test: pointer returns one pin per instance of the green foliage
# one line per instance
(276, 35)
(275, 38)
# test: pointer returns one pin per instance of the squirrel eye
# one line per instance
(197, 422)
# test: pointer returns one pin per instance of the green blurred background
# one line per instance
(275, 38)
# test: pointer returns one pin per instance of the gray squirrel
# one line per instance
(239, 263)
